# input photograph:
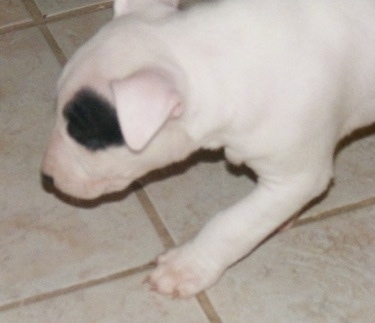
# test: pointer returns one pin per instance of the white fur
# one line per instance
(123, 7)
(276, 83)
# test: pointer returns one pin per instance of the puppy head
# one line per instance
(117, 108)
(103, 142)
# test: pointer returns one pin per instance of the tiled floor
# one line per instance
(65, 263)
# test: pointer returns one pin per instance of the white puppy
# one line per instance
(276, 83)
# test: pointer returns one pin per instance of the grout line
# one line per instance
(74, 288)
(39, 21)
(33, 8)
(53, 45)
(208, 308)
(335, 212)
(15, 27)
(78, 12)
(169, 243)
(156, 220)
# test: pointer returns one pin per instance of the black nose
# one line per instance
(47, 180)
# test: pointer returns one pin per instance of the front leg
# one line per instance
(233, 233)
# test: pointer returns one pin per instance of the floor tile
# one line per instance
(322, 272)
(58, 246)
(73, 32)
(12, 12)
(45, 243)
(187, 198)
(51, 7)
(354, 179)
(117, 302)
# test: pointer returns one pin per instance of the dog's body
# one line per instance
(276, 83)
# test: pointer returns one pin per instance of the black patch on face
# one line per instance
(92, 121)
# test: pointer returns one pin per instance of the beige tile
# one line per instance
(120, 301)
(57, 246)
(323, 272)
(50, 7)
(46, 244)
(12, 12)
(354, 177)
(189, 197)
(72, 33)
(28, 74)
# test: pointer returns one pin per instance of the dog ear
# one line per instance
(144, 102)
(123, 7)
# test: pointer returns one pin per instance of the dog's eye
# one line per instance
(92, 121)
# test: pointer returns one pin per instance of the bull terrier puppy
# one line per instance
(275, 83)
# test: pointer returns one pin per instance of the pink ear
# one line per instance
(144, 102)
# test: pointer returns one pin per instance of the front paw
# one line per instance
(182, 273)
